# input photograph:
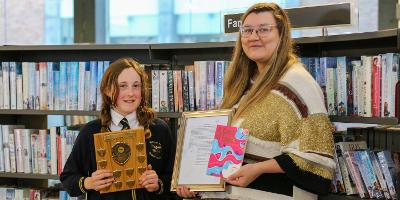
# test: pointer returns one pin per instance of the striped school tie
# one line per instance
(125, 124)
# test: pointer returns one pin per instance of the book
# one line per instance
(379, 174)
(227, 151)
(355, 174)
(368, 174)
(6, 85)
(155, 90)
(13, 86)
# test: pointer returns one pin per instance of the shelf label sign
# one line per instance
(232, 22)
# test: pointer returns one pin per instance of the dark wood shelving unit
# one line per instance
(365, 120)
(28, 176)
(340, 197)
(73, 112)
(355, 44)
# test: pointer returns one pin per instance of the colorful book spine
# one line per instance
(192, 98)
(348, 183)
(368, 174)
(330, 85)
(210, 85)
(93, 86)
(81, 85)
(367, 86)
(13, 85)
(219, 82)
(50, 84)
(63, 86)
(42, 160)
(86, 87)
(43, 86)
(185, 91)
(100, 72)
(170, 86)
(341, 97)
(18, 136)
(376, 85)
(73, 86)
(176, 98)
(387, 165)
(36, 97)
(356, 174)
(322, 66)
(180, 91)
(20, 97)
(163, 91)
(34, 158)
(378, 171)
(6, 85)
(155, 90)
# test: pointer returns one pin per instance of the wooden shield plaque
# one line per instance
(124, 153)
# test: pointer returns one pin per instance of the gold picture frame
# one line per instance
(193, 149)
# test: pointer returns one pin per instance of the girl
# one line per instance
(123, 90)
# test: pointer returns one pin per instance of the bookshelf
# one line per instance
(358, 44)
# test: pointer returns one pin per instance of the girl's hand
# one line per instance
(149, 180)
(99, 180)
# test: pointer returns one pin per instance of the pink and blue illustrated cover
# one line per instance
(227, 152)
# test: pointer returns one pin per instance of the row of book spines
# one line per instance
(198, 87)
(363, 172)
(35, 151)
(51, 85)
(11, 193)
(363, 86)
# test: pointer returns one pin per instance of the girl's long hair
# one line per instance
(109, 82)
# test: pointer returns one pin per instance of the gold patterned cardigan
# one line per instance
(291, 125)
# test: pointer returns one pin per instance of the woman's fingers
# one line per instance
(185, 192)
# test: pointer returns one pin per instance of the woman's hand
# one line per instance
(100, 179)
(244, 176)
(149, 180)
(185, 192)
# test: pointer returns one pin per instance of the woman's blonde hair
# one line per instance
(109, 83)
(241, 69)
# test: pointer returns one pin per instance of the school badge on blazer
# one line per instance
(124, 153)
(155, 149)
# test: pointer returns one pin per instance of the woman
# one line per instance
(123, 89)
(290, 148)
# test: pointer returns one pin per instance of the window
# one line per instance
(36, 22)
(171, 21)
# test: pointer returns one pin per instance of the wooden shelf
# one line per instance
(345, 119)
(28, 176)
(169, 114)
(74, 112)
(230, 44)
(48, 112)
(389, 33)
(340, 197)
(365, 120)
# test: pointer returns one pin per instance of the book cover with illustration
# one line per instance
(227, 152)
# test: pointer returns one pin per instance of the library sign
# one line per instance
(232, 22)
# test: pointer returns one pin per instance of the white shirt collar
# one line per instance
(116, 118)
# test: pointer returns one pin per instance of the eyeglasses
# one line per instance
(261, 31)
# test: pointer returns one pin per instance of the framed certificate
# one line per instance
(193, 149)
